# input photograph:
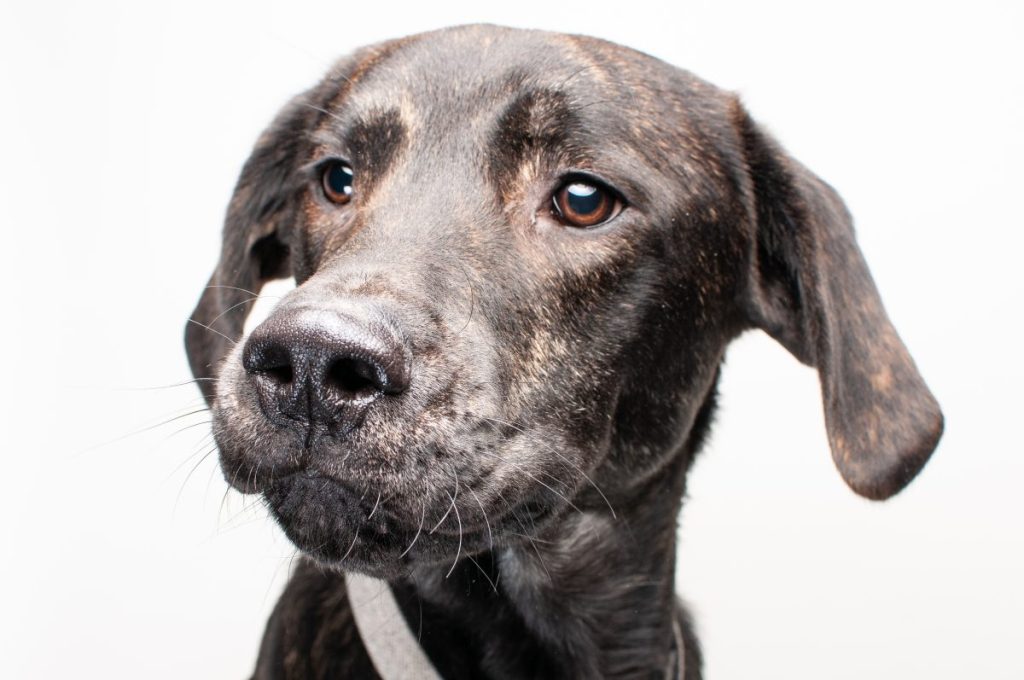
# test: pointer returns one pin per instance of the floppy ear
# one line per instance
(255, 241)
(811, 290)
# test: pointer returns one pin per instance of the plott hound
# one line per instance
(520, 257)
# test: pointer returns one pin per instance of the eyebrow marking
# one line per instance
(536, 124)
(374, 142)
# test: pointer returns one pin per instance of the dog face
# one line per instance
(520, 257)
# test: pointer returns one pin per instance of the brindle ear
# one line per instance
(255, 240)
(811, 290)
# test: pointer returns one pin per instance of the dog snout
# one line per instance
(321, 367)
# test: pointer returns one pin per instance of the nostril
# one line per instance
(353, 377)
(271, 361)
(282, 375)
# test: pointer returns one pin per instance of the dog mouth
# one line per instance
(387, 498)
(340, 526)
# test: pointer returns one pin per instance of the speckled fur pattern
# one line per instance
(522, 495)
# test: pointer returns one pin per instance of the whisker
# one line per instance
(423, 515)
(254, 473)
(277, 570)
(142, 430)
(291, 561)
(227, 490)
(529, 538)
(323, 111)
(551, 449)
(212, 330)
(596, 102)
(472, 297)
(458, 551)
(490, 537)
(354, 539)
(370, 516)
(244, 290)
(239, 304)
(156, 387)
(187, 427)
(534, 477)
(203, 443)
(577, 72)
(486, 575)
(209, 483)
(181, 489)
(234, 525)
(445, 515)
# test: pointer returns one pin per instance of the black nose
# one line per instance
(319, 367)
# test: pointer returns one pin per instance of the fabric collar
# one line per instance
(395, 653)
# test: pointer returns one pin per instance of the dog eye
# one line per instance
(584, 203)
(337, 182)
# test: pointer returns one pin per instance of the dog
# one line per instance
(520, 257)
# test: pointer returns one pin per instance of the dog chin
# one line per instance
(339, 527)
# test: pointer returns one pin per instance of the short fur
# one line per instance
(521, 495)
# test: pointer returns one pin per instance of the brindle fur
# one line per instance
(562, 379)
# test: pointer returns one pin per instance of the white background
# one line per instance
(122, 129)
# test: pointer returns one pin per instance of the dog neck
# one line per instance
(590, 596)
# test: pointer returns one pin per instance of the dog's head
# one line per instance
(520, 257)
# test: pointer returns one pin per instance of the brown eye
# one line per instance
(582, 203)
(337, 182)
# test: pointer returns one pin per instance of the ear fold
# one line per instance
(255, 241)
(811, 290)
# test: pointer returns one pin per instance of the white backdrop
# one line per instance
(122, 129)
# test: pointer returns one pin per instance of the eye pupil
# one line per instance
(337, 182)
(584, 204)
(583, 199)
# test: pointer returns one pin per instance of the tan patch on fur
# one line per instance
(881, 380)
(581, 50)
(376, 56)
